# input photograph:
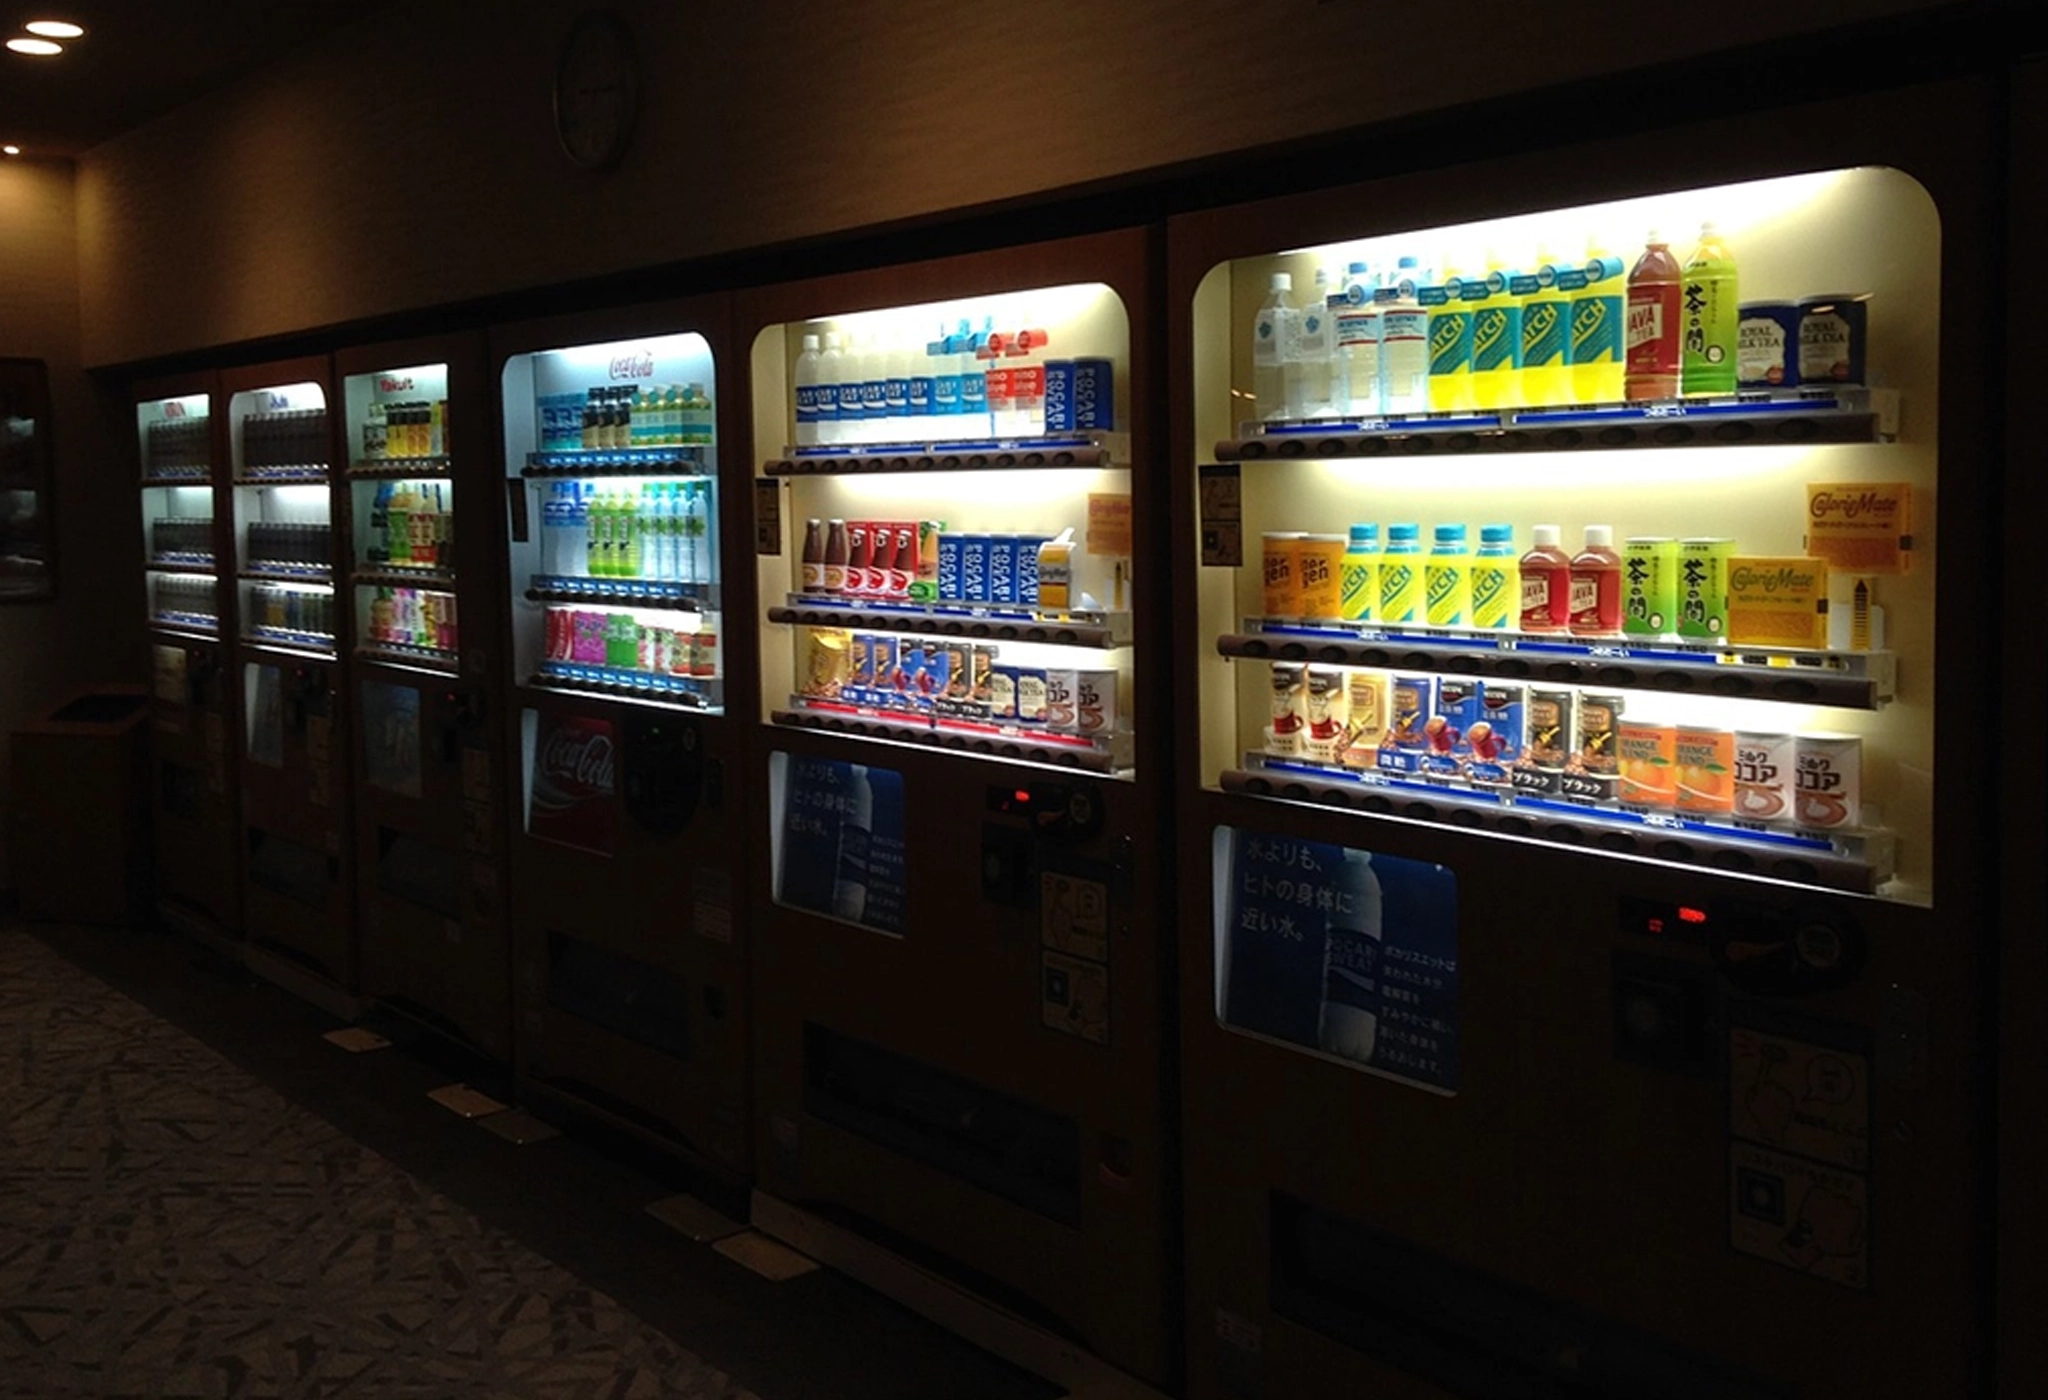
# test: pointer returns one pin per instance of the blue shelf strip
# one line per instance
(850, 451)
(199, 622)
(646, 592)
(1555, 648)
(285, 636)
(699, 689)
(1595, 416)
(618, 459)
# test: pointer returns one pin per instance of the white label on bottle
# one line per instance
(1760, 351)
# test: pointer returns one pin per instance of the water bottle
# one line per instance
(1308, 358)
(806, 377)
(1272, 332)
(831, 369)
(853, 376)
(874, 389)
(945, 361)
(974, 379)
(1355, 383)
(1404, 341)
(896, 390)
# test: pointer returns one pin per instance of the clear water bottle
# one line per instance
(1272, 333)
(1307, 360)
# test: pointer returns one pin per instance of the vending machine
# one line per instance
(627, 834)
(297, 885)
(960, 999)
(192, 710)
(1586, 876)
(428, 754)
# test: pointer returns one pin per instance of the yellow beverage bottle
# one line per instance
(1497, 341)
(1450, 343)
(1401, 596)
(1599, 293)
(1496, 579)
(1359, 577)
(1447, 579)
(1546, 334)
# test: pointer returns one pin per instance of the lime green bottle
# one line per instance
(1709, 317)
(1401, 598)
(1359, 575)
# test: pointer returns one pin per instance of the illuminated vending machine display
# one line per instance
(1589, 878)
(191, 782)
(629, 973)
(428, 788)
(953, 698)
(293, 759)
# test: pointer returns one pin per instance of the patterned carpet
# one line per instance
(172, 1227)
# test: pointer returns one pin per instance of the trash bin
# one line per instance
(78, 809)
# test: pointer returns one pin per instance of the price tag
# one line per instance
(1109, 524)
(768, 516)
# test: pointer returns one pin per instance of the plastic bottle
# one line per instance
(1404, 342)
(895, 389)
(831, 369)
(597, 526)
(874, 388)
(1358, 578)
(811, 580)
(836, 551)
(1710, 317)
(806, 377)
(1497, 341)
(1401, 586)
(1351, 962)
(1496, 579)
(1272, 334)
(919, 361)
(974, 379)
(1599, 324)
(1450, 344)
(696, 561)
(1355, 382)
(1447, 579)
(1546, 335)
(852, 378)
(945, 364)
(1653, 322)
(1026, 356)
(1546, 582)
(1596, 586)
(579, 530)
(1308, 358)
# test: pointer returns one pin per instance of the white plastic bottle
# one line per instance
(1355, 383)
(806, 377)
(1272, 333)
(896, 390)
(874, 388)
(1404, 342)
(831, 370)
(1308, 360)
(1351, 967)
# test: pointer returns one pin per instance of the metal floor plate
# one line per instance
(356, 1040)
(775, 1262)
(694, 1220)
(470, 1103)
(518, 1126)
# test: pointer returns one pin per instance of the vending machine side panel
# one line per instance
(1593, 1176)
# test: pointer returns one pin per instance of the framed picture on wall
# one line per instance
(28, 565)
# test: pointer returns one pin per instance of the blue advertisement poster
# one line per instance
(841, 851)
(391, 737)
(1343, 951)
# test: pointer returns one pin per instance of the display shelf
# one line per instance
(304, 475)
(391, 576)
(701, 692)
(196, 564)
(399, 468)
(183, 476)
(995, 621)
(399, 654)
(980, 454)
(648, 593)
(1742, 420)
(186, 624)
(314, 575)
(1033, 744)
(283, 639)
(1855, 861)
(1861, 680)
(618, 461)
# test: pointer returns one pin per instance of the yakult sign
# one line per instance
(574, 782)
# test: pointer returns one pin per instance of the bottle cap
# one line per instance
(1365, 534)
(1450, 534)
(1280, 282)
(1407, 264)
(1708, 228)
(1599, 536)
(1654, 236)
(1496, 534)
(831, 340)
(1546, 536)
(1403, 532)
(1357, 268)
(810, 342)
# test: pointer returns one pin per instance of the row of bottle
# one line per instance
(405, 430)
(658, 531)
(291, 610)
(412, 525)
(620, 641)
(964, 384)
(189, 601)
(189, 537)
(613, 417)
(1406, 340)
(1357, 578)
(291, 544)
(413, 617)
(284, 439)
(176, 447)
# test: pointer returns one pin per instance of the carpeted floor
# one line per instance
(177, 1220)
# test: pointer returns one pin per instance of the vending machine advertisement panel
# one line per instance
(297, 858)
(1591, 889)
(963, 735)
(192, 703)
(430, 779)
(627, 837)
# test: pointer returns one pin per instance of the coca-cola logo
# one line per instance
(577, 762)
(394, 384)
(638, 365)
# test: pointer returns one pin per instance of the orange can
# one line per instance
(1282, 561)
(1646, 757)
(1706, 770)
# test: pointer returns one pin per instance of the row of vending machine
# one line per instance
(894, 739)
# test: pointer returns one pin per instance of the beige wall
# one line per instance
(410, 161)
(93, 630)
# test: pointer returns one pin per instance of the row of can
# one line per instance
(955, 679)
(620, 641)
(1562, 743)
(292, 610)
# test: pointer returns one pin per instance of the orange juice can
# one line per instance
(1283, 573)
(1706, 770)
(1320, 564)
(1646, 757)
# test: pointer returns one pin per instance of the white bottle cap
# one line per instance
(810, 342)
(1708, 228)
(1600, 537)
(1281, 282)
(1655, 235)
(831, 340)
(1546, 536)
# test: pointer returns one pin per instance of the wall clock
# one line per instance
(597, 90)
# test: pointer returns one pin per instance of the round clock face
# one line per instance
(597, 90)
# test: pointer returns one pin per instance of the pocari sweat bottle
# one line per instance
(1272, 333)
(852, 374)
(831, 369)
(806, 377)
(896, 390)
(874, 388)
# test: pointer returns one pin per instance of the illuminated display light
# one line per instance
(55, 29)
(37, 48)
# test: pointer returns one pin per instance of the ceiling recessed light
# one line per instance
(10, 150)
(55, 28)
(42, 48)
